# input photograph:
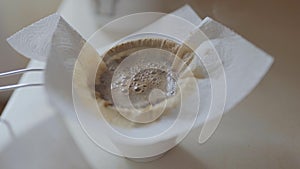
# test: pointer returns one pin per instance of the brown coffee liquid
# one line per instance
(139, 85)
(145, 81)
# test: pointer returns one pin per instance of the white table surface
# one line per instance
(261, 132)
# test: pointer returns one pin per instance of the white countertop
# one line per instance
(261, 132)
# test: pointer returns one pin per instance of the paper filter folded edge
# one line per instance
(34, 41)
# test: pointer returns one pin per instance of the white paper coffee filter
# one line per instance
(127, 134)
(244, 66)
